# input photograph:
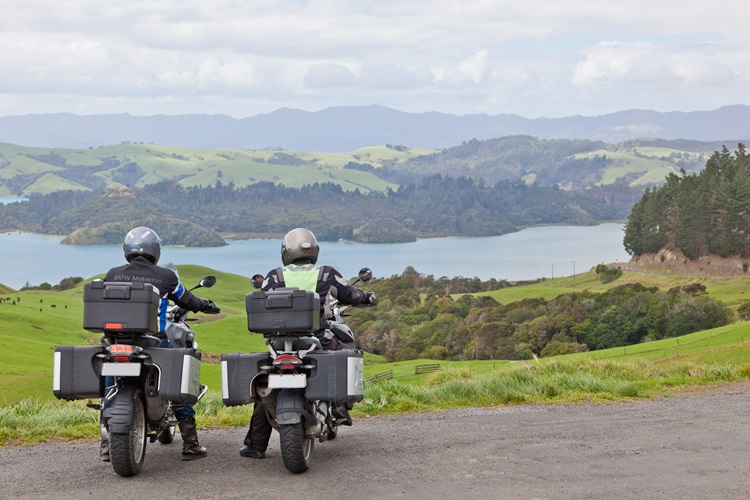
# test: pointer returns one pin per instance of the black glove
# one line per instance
(209, 307)
(371, 299)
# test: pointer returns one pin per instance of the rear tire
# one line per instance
(296, 448)
(128, 451)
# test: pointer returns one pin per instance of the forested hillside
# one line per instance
(406, 326)
(437, 206)
(572, 164)
(699, 214)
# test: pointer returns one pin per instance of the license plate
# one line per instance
(291, 381)
(121, 369)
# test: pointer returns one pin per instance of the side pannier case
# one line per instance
(238, 371)
(179, 373)
(76, 372)
(338, 376)
(283, 311)
(119, 306)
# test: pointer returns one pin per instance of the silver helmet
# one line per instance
(142, 241)
(299, 244)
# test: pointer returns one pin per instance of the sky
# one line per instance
(533, 58)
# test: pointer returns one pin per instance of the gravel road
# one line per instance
(682, 447)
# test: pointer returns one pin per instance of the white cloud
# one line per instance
(641, 63)
(329, 75)
(533, 58)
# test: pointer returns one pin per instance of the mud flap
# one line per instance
(119, 411)
(290, 407)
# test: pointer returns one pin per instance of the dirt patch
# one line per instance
(675, 262)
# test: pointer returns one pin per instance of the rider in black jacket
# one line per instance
(142, 248)
(299, 253)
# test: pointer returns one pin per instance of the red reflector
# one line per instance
(121, 352)
(113, 326)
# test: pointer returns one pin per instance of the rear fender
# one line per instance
(119, 411)
(290, 407)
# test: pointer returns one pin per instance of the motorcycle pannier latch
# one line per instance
(279, 301)
(121, 292)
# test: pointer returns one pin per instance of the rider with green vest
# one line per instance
(299, 254)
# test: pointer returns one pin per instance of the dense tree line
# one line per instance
(437, 206)
(699, 214)
(404, 326)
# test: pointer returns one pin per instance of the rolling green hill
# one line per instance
(569, 164)
(26, 170)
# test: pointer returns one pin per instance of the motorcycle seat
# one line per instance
(298, 344)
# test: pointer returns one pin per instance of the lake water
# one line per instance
(553, 251)
(10, 199)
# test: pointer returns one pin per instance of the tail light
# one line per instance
(287, 362)
(121, 352)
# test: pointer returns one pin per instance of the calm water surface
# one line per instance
(529, 254)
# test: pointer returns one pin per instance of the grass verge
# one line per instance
(566, 381)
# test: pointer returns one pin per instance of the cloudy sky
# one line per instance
(534, 58)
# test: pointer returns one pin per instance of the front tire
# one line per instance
(128, 451)
(296, 448)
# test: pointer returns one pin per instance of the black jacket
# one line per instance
(163, 279)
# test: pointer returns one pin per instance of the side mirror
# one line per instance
(365, 274)
(257, 280)
(207, 282)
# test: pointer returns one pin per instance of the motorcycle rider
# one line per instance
(299, 254)
(142, 248)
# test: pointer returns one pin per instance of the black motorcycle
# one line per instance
(300, 385)
(147, 379)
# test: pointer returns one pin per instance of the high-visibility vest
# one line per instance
(304, 277)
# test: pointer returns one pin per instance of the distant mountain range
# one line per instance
(341, 129)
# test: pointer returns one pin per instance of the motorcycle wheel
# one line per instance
(128, 451)
(167, 435)
(296, 448)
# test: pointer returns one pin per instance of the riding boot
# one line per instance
(191, 449)
(341, 413)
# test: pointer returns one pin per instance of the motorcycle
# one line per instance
(146, 380)
(300, 385)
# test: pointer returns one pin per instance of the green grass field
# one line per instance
(32, 328)
(648, 170)
(195, 167)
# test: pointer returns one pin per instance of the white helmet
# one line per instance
(299, 244)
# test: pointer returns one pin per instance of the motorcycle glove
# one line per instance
(371, 298)
(209, 306)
